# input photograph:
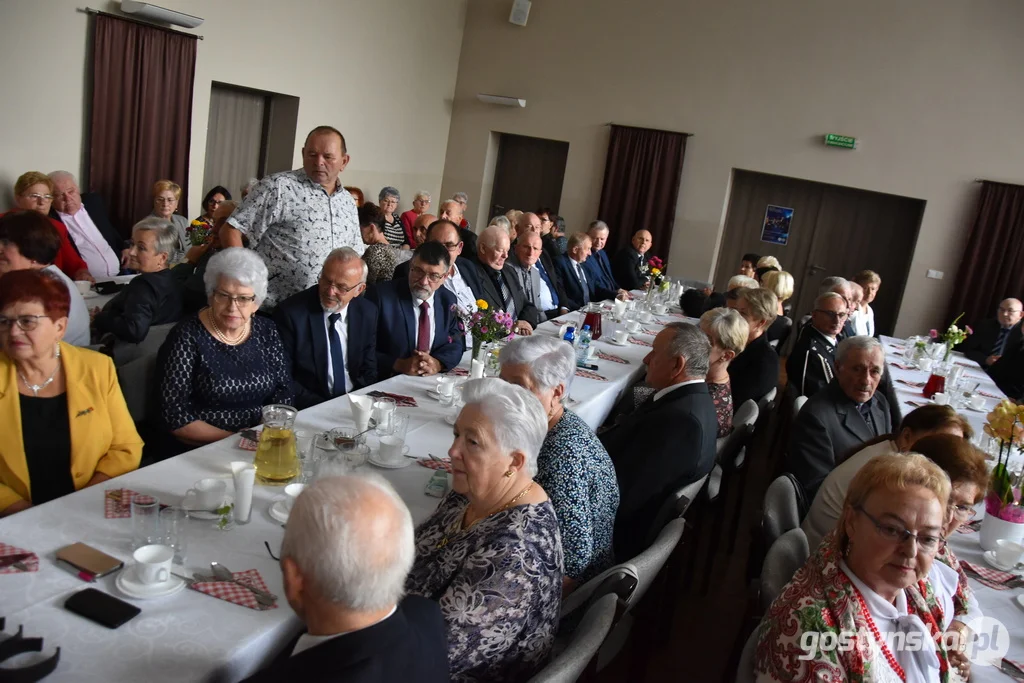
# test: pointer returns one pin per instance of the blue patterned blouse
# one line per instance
(499, 584)
(579, 477)
(225, 386)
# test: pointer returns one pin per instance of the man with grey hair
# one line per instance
(669, 441)
(500, 283)
(838, 420)
(329, 332)
(454, 210)
(537, 276)
(88, 225)
(811, 365)
(599, 266)
(844, 288)
(346, 553)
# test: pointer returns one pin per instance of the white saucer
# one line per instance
(611, 340)
(450, 419)
(977, 410)
(388, 465)
(133, 588)
(90, 295)
(432, 393)
(990, 557)
(204, 514)
(278, 511)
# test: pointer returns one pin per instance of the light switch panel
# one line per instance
(935, 274)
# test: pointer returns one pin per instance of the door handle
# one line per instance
(812, 269)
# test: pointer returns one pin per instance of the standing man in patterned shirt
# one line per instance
(294, 219)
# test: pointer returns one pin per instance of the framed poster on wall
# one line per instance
(775, 229)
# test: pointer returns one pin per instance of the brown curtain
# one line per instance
(992, 268)
(641, 185)
(141, 115)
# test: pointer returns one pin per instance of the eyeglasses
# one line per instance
(225, 298)
(896, 534)
(337, 286)
(1009, 310)
(418, 274)
(963, 512)
(165, 200)
(26, 323)
(451, 246)
(38, 197)
(841, 315)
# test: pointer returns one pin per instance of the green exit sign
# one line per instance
(833, 140)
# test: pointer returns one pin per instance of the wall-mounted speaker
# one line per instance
(520, 12)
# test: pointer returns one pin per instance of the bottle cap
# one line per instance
(586, 327)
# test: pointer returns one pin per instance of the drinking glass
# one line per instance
(445, 389)
(383, 410)
(352, 450)
(145, 521)
(303, 449)
(909, 350)
(174, 525)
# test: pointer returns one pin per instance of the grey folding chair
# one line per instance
(583, 644)
(745, 670)
(798, 403)
(783, 560)
(676, 505)
(781, 511)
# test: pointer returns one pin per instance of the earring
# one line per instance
(510, 473)
(56, 350)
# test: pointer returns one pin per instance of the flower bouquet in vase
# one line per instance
(198, 232)
(487, 327)
(952, 337)
(1004, 515)
(655, 272)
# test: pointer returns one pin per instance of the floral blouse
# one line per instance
(721, 395)
(381, 260)
(499, 584)
(577, 473)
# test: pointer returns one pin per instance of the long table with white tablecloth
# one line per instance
(193, 637)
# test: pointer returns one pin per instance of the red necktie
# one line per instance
(423, 337)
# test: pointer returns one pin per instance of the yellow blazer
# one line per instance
(103, 436)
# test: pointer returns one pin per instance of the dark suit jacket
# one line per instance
(410, 646)
(469, 239)
(662, 446)
(980, 345)
(574, 288)
(812, 363)
(599, 270)
(556, 283)
(848, 330)
(524, 311)
(828, 427)
(626, 269)
(397, 326)
(1008, 371)
(97, 211)
(149, 299)
(550, 247)
(754, 372)
(467, 269)
(300, 322)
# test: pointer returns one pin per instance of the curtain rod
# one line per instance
(659, 130)
(90, 10)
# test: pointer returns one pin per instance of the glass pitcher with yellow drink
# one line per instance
(276, 460)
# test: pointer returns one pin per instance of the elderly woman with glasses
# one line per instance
(64, 421)
(166, 194)
(491, 553)
(220, 367)
(873, 580)
(152, 298)
(420, 205)
(390, 223)
(34, 191)
(214, 198)
(573, 465)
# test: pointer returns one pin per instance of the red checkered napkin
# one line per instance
(459, 372)
(969, 528)
(645, 330)
(119, 507)
(232, 592)
(640, 342)
(993, 578)
(988, 395)
(589, 374)
(1014, 670)
(400, 400)
(980, 378)
(901, 366)
(916, 385)
(7, 550)
(612, 357)
(916, 404)
(432, 464)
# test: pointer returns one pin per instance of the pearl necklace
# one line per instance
(223, 337)
(36, 388)
(451, 530)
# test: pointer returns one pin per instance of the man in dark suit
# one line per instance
(499, 282)
(599, 266)
(358, 627)
(669, 441)
(463, 279)
(1008, 371)
(537, 276)
(811, 365)
(837, 421)
(627, 263)
(329, 332)
(580, 290)
(994, 336)
(755, 372)
(89, 228)
(417, 327)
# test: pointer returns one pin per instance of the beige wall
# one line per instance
(353, 64)
(931, 87)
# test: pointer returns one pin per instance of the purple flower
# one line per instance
(933, 333)
(483, 330)
(969, 330)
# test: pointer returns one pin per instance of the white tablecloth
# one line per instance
(193, 637)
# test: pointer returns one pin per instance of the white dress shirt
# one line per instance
(416, 319)
(307, 641)
(97, 254)
(342, 327)
(864, 322)
(457, 285)
(658, 395)
(545, 302)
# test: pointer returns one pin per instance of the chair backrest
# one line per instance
(583, 645)
(648, 563)
(729, 447)
(747, 413)
(619, 579)
(798, 403)
(781, 510)
(767, 402)
(676, 505)
(787, 328)
(745, 670)
(784, 558)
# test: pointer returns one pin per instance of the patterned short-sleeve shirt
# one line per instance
(294, 224)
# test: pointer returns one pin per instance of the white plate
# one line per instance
(388, 465)
(190, 499)
(432, 393)
(130, 586)
(90, 295)
(450, 419)
(278, 511)
(611, 340)
(990, 557)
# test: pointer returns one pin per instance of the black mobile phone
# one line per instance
(100, 607)
(108, 287)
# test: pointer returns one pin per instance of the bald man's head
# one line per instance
(1010, 312)
(528, 222)
(642, 241)
(451, 210)
(492, 246)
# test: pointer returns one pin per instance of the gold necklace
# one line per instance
(223, 337)
(461, 520)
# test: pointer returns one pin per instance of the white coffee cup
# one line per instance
(1008, 553)
(646, 317)
(633, 326)
(925, 364)
(941, 399)
(618, 308)
(84, 286)
(977, 402)
(621, 336)
(392, 448)
(153, 563)
(445, 389)
(659, 309)
(208, 493)
(291, 492)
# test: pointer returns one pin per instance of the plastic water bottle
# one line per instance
(570, 335)
(583, 345)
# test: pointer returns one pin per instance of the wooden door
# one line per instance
(529, 174)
